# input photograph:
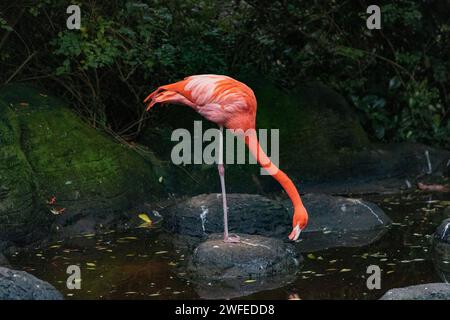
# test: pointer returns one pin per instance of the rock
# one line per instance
(253, 256)
(251, 214)
(51, 160)
(20, 285)
(429, 291)
(441, 250)
(340, 222)
(234, 266)
(334, 221)
(442, 233)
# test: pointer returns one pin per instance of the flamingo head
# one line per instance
(299, 222)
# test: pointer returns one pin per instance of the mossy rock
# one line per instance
(47, 151)
(319, 136)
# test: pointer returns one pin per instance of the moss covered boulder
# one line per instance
(56, 168)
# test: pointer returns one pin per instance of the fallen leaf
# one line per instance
(145, 218)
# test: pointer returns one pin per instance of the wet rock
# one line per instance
(383, 168)
(430, 291)
(442, 233)
(20, 285)
(202, 215)
(253, 256)
(441, 250)
(57, 170)
(334, 221)
(255, 263)
(340, 222)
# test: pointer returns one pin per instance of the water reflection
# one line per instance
(145, 264)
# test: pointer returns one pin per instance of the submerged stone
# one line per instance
(441, 250)
(20, 285)
(429, 291)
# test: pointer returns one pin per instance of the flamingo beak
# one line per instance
(295, 234)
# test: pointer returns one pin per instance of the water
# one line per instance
(143, 264)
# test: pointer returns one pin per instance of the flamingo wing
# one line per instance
(216, 97)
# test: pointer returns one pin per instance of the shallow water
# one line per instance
(142, 264)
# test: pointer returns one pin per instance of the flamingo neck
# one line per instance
(255, 148)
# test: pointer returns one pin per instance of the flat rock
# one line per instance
(340, 222)
(20, 285)
(253, 256)
(237, 269)
(334, 221)
(429, 291)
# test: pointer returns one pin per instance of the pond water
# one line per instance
(143, 264)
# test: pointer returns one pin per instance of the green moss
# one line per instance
(18, 216)
(87, 171)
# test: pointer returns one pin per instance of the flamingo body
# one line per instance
(230, 104)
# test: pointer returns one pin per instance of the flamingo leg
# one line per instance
(221, 169)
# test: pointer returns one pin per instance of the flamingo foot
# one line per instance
(232, 239)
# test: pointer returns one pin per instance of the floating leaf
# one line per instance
(345, 270)
(90, 264)
(311, 256)
(128, 238)
(250, 281)
(161, 252)
(145, 218)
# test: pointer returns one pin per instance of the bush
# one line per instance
(397, 76)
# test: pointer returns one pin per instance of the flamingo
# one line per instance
(230, 104)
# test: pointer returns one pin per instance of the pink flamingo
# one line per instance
(230, 104)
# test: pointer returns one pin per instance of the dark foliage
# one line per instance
(398, 77)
